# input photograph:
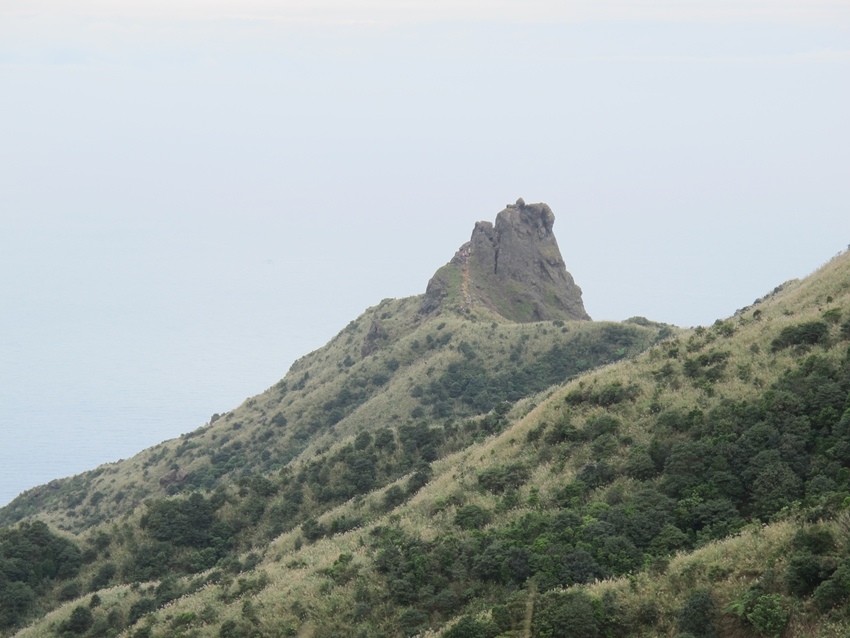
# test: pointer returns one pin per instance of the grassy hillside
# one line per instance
(701, 488)
(387, 369)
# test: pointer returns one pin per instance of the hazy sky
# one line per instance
(193, 194)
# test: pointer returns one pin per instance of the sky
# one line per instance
(193, 194)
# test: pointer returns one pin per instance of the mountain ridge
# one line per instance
(341, 385)
(689, 483)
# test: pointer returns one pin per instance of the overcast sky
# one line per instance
(194, 194)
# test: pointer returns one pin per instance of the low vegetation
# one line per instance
(467, 479)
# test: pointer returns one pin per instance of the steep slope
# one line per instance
(400, 361)
(372, 373)
(393, 393)
(656, 475)
(701, 488)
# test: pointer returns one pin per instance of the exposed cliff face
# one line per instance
(513, 267)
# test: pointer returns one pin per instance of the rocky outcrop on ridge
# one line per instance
(513, 267)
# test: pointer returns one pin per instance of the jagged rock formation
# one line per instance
(513, 267)
(373, 339)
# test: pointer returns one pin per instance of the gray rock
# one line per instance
(373, 339)
(514, 267)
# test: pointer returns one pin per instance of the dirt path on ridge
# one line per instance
(464, 286)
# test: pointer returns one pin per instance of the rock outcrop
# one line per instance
(513, 267)
(373, 339)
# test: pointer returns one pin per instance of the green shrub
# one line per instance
(833, 315)
(500, 478)
(418, 479)
(169, 588)
(104, 575)
(80, 620)
(615, 393)
(342, 570)
(698, 615)
(502, 617)
(809, 333)
(709, 366)
(565, 615)
(596, 474)
(835, 591)
(412, 621)
(563, 430)
(149, 561)
(342, 524)
(313, 530)
(186, 521)
(816, 539)
(602, 424)
(394, 497)
(140, 608)
(640, 465)
(70, 590)
(18, 599)
(234, 629)
(31, 558)
(469, 627)
(472, 517)
(384, 439)
(769, 615)
(805, 572)
(776, 486)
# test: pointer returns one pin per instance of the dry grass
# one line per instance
(729, 566)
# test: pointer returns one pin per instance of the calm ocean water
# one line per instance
(59, 422)
(72, 400)
(53, 439)
(109, 348)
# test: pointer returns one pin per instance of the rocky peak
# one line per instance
(513, 267)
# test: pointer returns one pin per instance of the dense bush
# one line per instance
(709, 366)
(834, 591)
(468, 627)
(78, 623)
(503, 477)
(815, 539)
(393, 497)
(605, 396)
(140, 608)
(186, 521)
(768, 615)
(32, 559)
(808, 333)
(468, 385)
(105, 573)
(569, 615)
(698, 615)
(805, 572)
(472, 517)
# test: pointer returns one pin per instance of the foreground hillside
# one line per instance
(383, 400)
(701, 488)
